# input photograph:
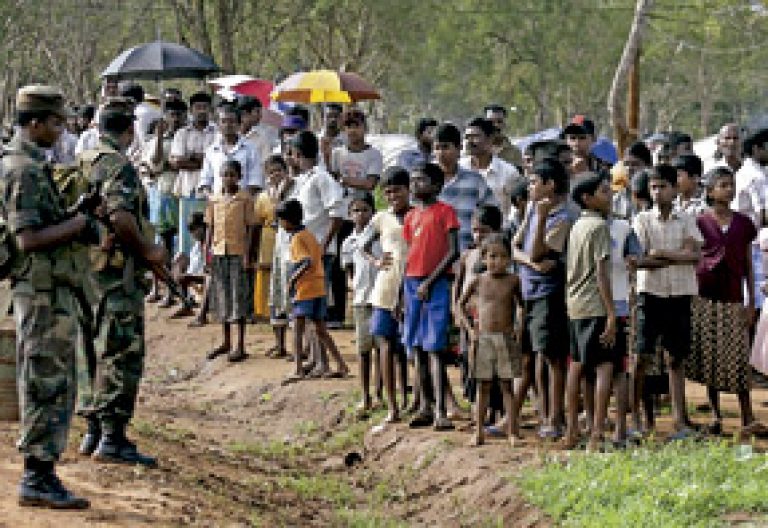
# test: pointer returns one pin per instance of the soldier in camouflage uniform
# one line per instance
(42, 298)
(73, 185)
(118, 266)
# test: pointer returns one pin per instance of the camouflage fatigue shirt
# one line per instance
(31, 200)
(120, 188)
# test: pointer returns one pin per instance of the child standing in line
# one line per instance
(431, 232)
(666, 281)
(306, 284)
(720, 335)
(486, 220)
(589, 299)
(539, 248)
(386, 227)
(279, 302)
(497, 337)
(230, 218)
(265, 203)
(190, 270)
(362, 272)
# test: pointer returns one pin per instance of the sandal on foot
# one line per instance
(686, 433)
(216, 352)
(715, 428)
(755, 429)
(421, 420)
(443, 424)
(494, 431)
(236, 357)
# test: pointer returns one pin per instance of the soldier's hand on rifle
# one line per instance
(156, 255)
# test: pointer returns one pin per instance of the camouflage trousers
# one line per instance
(85, 354)
(45, 368)
(119, 347)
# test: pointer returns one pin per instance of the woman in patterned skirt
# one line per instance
(720, 348)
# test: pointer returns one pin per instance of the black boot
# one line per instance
(91, 438)
(115, 448)
(41, 487)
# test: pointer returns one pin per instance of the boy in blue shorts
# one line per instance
(386, 227)
(431, 231)
(306, 284)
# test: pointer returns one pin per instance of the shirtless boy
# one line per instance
(498, 297)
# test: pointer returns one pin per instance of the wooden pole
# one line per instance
(633, 102)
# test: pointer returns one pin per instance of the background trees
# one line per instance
(701, 62)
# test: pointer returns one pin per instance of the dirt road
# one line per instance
(237, 448)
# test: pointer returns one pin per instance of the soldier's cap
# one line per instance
(113, 106)
(40, 98)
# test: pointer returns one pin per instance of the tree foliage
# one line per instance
(547, 59)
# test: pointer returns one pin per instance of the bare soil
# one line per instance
(238, 448)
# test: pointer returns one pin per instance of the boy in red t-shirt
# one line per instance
(431, 231)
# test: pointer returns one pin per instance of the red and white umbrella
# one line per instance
(230, 86)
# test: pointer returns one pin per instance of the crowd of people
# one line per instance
(560, 273)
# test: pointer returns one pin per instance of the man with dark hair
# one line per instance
(680, 143)
(500, 175)
(579, 134)
(162, 180)
(465, 190)
(751, 179)
(230, 145)
(253, 129)
(291, 125)
(186, 156)
(331, 136)
(43, 303)
(502, 146)
(357, 166)
(425, 132)
(117, 286)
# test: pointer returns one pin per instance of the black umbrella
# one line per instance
(160, 60)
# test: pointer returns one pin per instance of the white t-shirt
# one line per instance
(367, 162)
(363, 270)
(386, 288)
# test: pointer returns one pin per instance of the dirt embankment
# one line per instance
(237, 448)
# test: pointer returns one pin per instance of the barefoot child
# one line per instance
(264, 234)
(499, 305)
(306, 284)
(230, 218)
(666, 281)
(386, 227)
(486, 220)
(720, 336)
(190, 270)
(539, 248)
(363, 274)
(592, 318)
(431, 231)
(279, 184)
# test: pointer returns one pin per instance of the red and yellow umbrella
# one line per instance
(324, 86)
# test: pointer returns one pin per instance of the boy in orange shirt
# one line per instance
(306, 284)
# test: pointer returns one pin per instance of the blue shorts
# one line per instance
(384, 324)
(427, 323)
(312, 309)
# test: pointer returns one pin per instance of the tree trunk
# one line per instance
(224, 15)
(628, 56)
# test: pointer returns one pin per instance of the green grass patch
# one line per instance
(352, 433)
(679, 485)
(319, 487)
(367, 519)
(273, 450)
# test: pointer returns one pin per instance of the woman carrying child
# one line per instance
(720, 347)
